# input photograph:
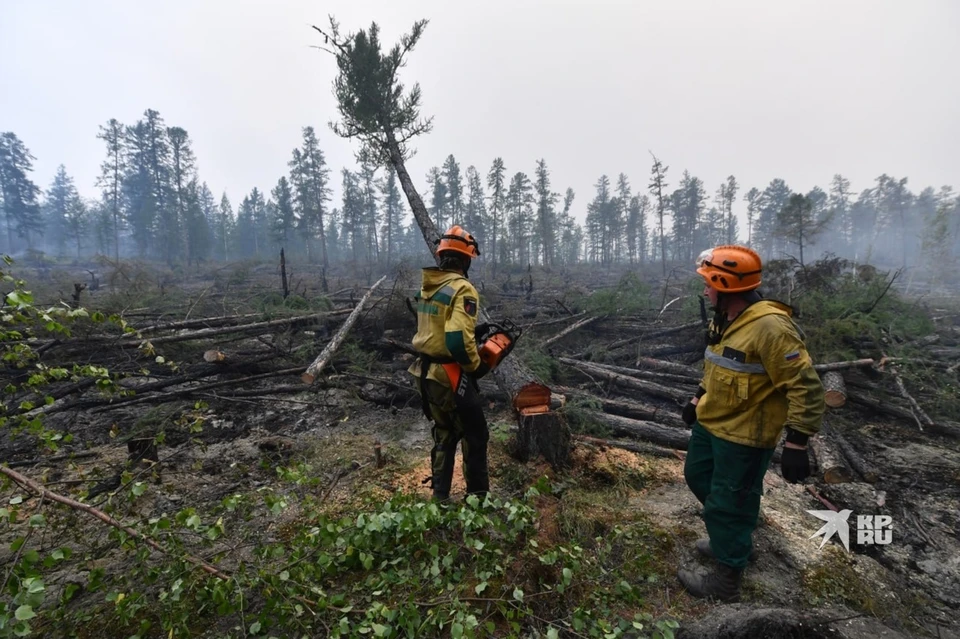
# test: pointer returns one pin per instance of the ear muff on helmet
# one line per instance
(730, 268)
(459, 241)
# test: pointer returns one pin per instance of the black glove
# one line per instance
(479, 330)
(482, 370)
(689, 414)
(794, 462)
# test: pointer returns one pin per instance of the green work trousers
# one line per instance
(727, 478)
(457, 423)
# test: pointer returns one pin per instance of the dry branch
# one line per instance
(28, 484)
(919, 415)
(569, 329)
(314, 369)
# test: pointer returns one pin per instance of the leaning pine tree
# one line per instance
(375, 108)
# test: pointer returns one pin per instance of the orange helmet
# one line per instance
(730, 269)
(459, 241)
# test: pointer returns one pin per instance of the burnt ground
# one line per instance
(909, 588)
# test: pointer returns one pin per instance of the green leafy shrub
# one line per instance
(630, 296)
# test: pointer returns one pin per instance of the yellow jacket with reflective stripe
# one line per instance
(447, 308)
(750, 401)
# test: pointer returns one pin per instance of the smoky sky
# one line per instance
(758, 90)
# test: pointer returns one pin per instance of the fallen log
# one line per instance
(634, 372)
(626, 408)
(885, 407)
(569, 329)
(670, 367)
(833, 470)
(672, 330)
(651, 388)
(550, 322)
(239, 328)
(835, 391)
(205, 322)
(839, 366)
(314, 369)
(854, 458)
(647, 431)
(172, 395)
(669, 349)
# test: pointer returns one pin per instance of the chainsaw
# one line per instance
(495, 340)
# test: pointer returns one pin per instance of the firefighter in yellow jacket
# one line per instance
(449, 363)
(758, 380)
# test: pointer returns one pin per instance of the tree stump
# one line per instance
(541, 433)
(835, 391)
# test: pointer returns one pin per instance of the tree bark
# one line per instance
(314, 369)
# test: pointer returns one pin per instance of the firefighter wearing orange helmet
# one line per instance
(758, 380)
(449, 364)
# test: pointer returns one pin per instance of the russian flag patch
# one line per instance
(792, 356)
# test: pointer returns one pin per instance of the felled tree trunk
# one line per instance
(835, 391)
(314, 369)
(648, 431)
(833, 470)
(651, 388)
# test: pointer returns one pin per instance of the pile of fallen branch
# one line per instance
(216, 358)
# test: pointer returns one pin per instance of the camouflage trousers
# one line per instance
(455, 423)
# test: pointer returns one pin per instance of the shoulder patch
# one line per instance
(792, 356)
(470, 306)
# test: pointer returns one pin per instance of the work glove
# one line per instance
(689, 414)
(480, 330)
(794, 462)
(481, 370)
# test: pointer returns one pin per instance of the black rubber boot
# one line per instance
(722, 584)
(703, 547)
(442, 475)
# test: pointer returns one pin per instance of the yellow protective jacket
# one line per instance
(447, 307)
(760, 378)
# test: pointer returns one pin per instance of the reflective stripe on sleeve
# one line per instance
(732, 364)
